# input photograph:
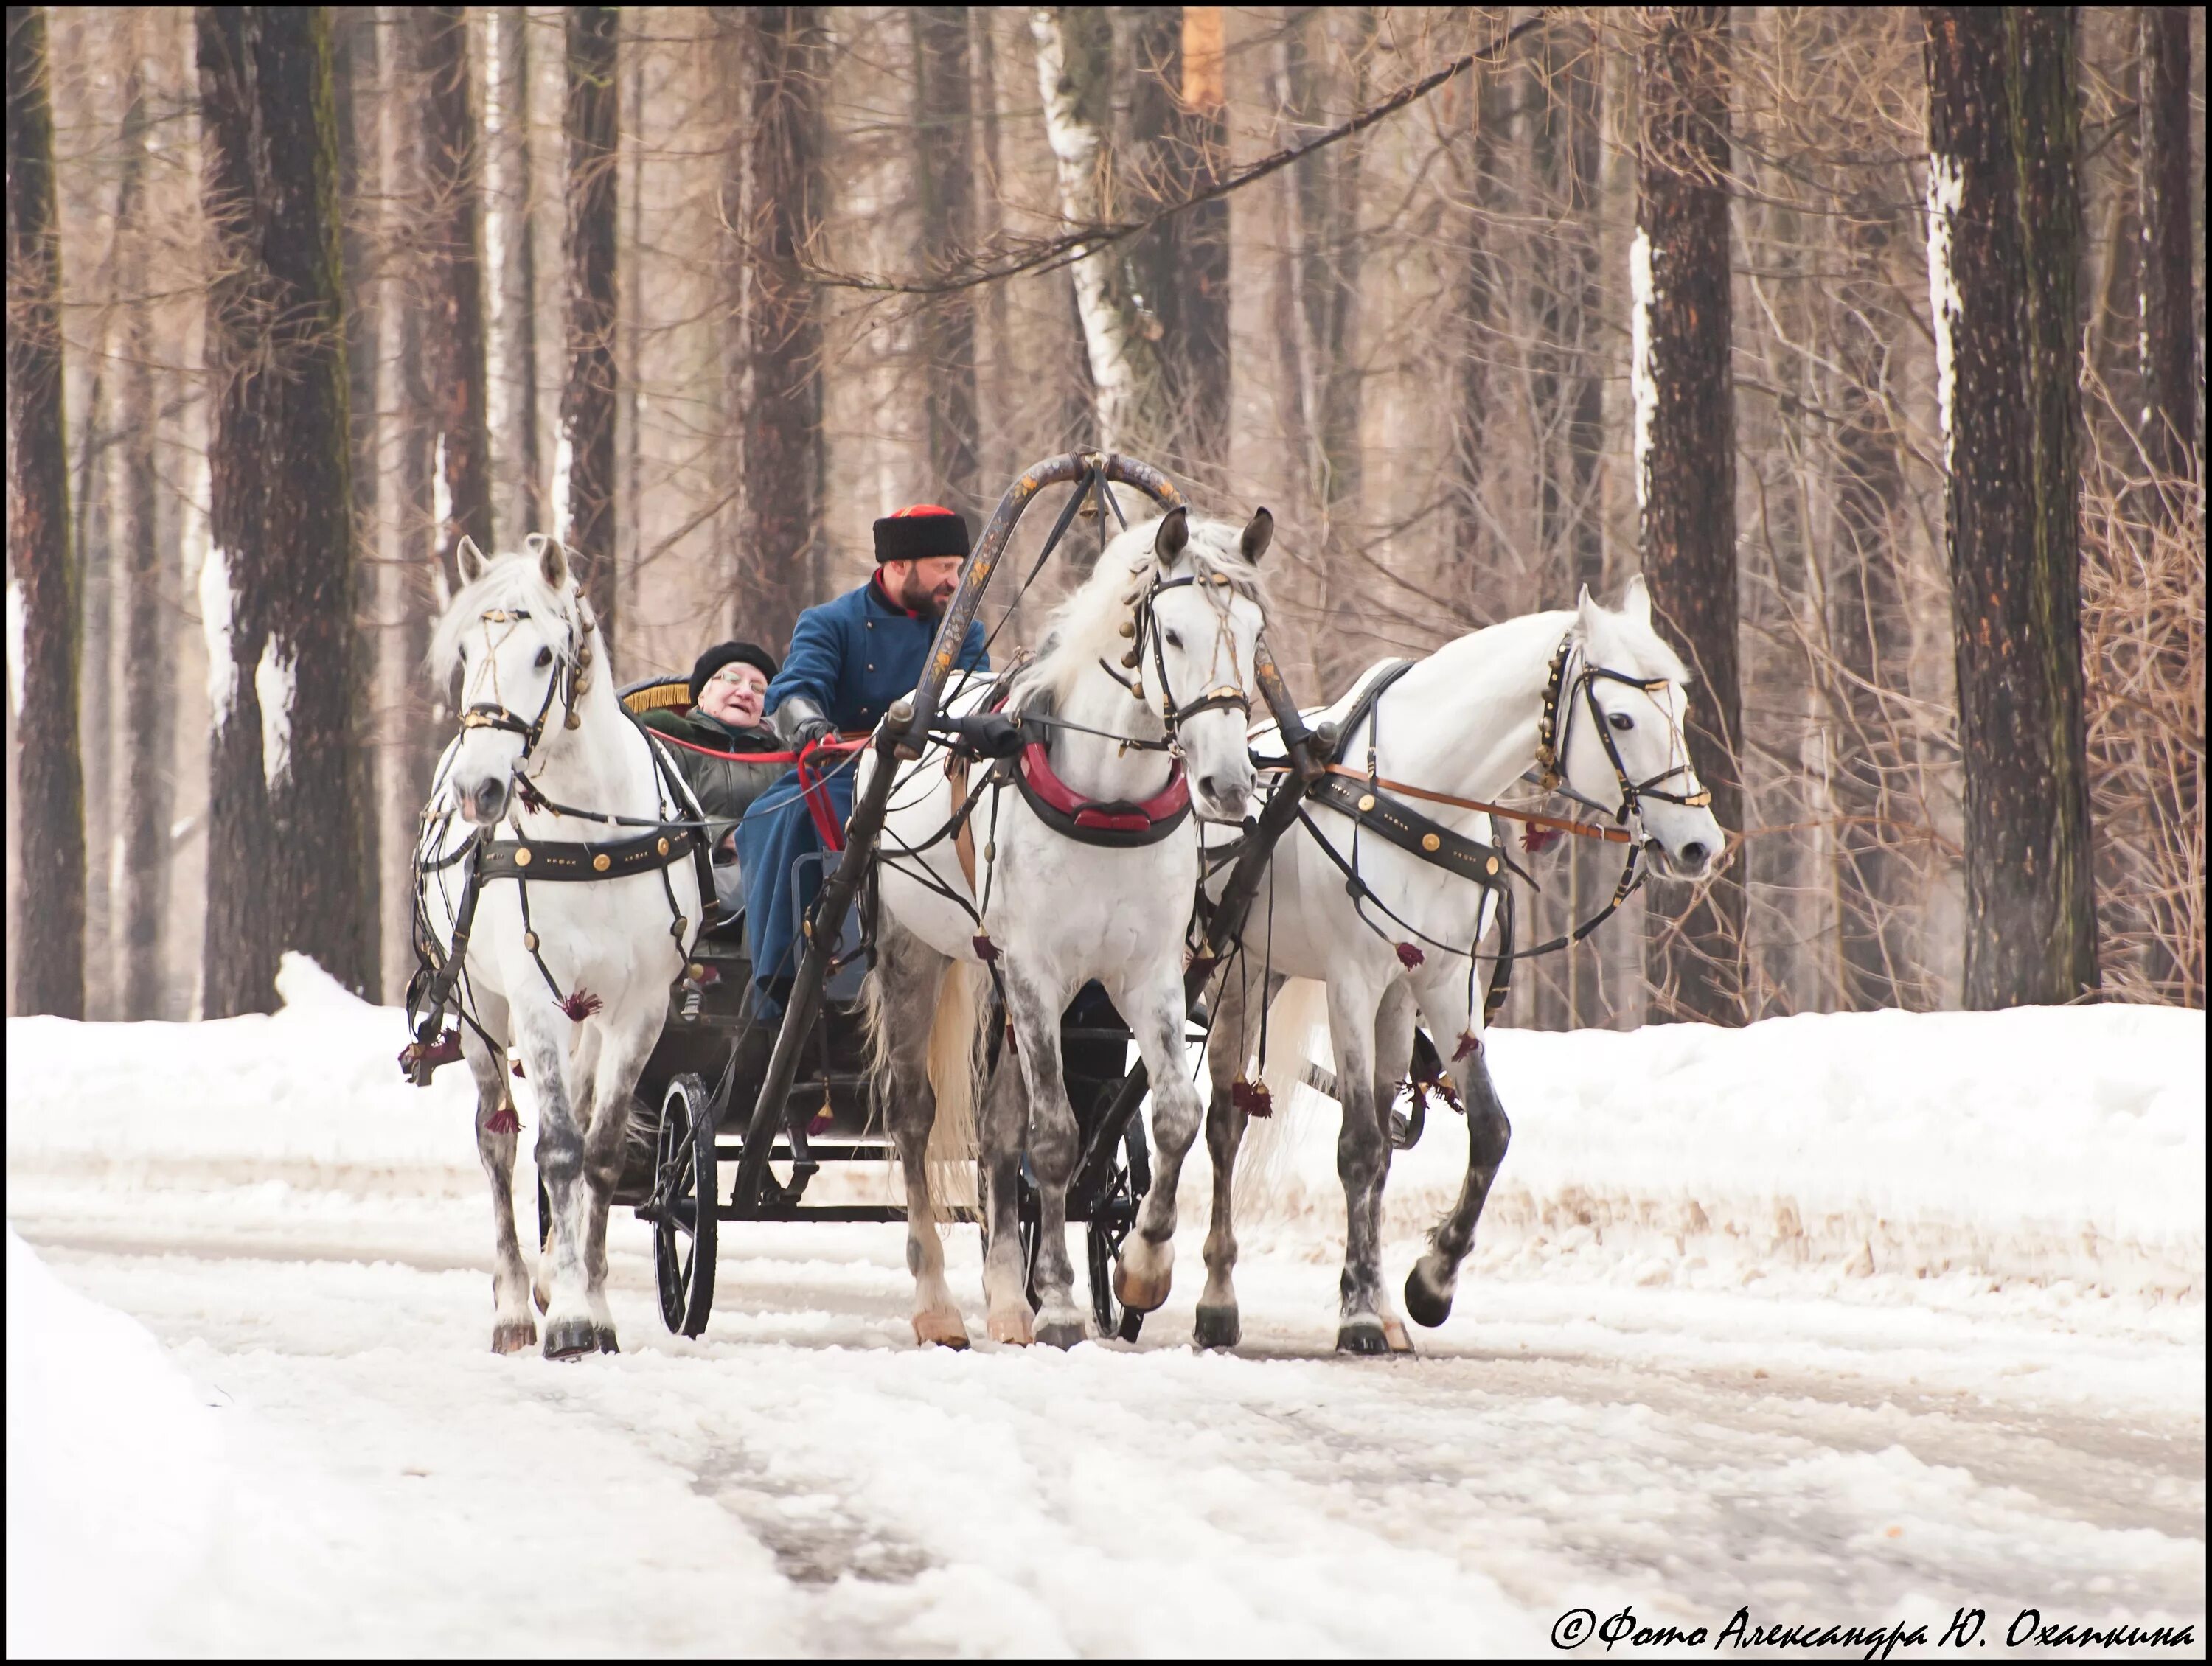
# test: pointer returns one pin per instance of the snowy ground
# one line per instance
(1841, 1320)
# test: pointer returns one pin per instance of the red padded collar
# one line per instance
(1169, 801)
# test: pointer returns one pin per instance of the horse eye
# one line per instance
(1621, 721)
(544, 658)
(1174, 641)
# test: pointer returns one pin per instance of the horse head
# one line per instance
(1199, 625)
(1622, 699)
(518, 633)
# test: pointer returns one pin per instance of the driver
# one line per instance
(849, 659)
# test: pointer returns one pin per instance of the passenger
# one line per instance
(849, 659)
(728, 684)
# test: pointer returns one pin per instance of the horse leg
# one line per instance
(1430, 1286)
(1363, 1154)
(1054, 1144)
(569, 1328)
(907, 977)
(1005, 1288)
(1219, 1324)
(1144, 1270)
(1394, 1049)
(607, 1142)
(514, 1328)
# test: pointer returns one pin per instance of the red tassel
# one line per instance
(582, 1005)
(1536, 840)
(1469, 1042)
(986, 950)
(1252, 1098)
(1409, 956)
(504, 1121)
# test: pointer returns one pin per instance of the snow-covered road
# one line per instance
(321, 1455)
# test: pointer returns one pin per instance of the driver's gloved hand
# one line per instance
(802, 722)
(989, 734)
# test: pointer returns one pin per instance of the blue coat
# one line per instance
(852, 658)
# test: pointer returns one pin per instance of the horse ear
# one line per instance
(1587, 611)
(467, 559)
(1174, 534)
(1258, 535)
(553, 562)
(1635, 601)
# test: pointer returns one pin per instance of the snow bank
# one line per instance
(2042, 1144)
(113, 1471)
(311, 1095)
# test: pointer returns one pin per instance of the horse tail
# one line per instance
(955, 1071)
(1297, 1036)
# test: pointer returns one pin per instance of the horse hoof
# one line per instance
(567, 1339)
(1426, 1305)
(1362, 1336)
(1394, 1332)
(537, 1294)
(940, 1330)
(606, 1336)
(1063, 1334)
(1016, 1330)
(1135, 1290)
(514, 1336)
(1216, 1326)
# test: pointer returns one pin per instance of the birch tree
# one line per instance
(46, 915)
(1685, 459)
(2003, 238)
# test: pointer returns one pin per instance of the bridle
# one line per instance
(1552, 736)
(573, 675)
(1143, 628)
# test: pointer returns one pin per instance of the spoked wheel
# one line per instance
(1111, 1218)
(683, 1218)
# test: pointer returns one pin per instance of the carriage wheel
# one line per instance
(684, 1220)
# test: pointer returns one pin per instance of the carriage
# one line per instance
(715, 1053)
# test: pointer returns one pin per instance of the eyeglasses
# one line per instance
(736, 677)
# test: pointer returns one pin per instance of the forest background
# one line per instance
(708, 290)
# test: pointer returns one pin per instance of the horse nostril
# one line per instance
(1693, 853)
(1209, 786)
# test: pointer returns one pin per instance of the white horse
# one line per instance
(1175, 603)
(575, 974)
(1466, 722)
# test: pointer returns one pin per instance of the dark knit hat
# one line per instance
(919, 531)
(730, 653)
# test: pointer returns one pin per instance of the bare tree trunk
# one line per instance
(2168, 310)
(1686, 461)
(284, 844)
(585, 462)
(944, 119)
(1177, 144)
(2004, 220)
(452, 268)
(518, 223)
(778, 403)
(1075, 73)
(359, 95)
(419, 587)
(46, 918)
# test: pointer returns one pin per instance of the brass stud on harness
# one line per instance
(530, 942)
(1491, 866)
(602, 862)
(1430, 842)
(522, 856)
(664, 847)
(1367, 802)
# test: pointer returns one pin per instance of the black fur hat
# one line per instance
(916, 533)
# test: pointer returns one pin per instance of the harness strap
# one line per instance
(1556, 823)
(552, 859)
(1402, 824)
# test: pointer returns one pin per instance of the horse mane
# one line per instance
(512, 581)
(1086, 627)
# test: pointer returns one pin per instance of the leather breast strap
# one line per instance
(1401, 824)
(551, 859)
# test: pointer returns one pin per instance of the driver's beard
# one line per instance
(917, 597)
